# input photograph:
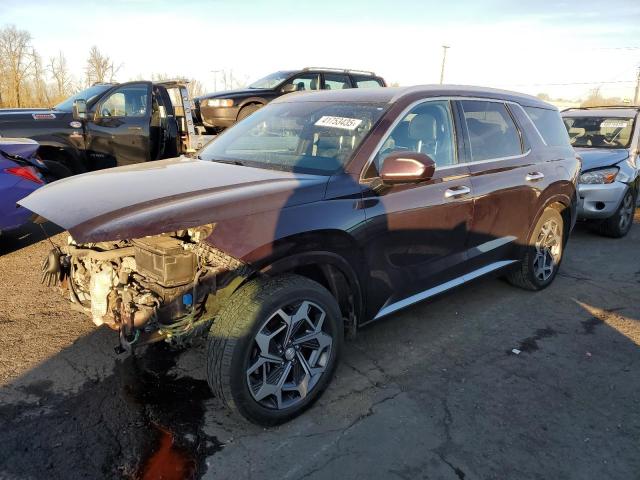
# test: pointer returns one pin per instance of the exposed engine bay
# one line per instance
(149, 289)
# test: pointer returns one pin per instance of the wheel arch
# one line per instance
(565, 204)
(250, 101)
(330, 258)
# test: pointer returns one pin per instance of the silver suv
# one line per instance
(607, 140)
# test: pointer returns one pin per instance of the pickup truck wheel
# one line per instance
(273, 348)
(248, 110)
(619, 224)
(543, 254)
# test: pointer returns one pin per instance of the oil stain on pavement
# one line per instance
(158, 428)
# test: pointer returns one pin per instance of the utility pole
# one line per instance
(444, 59)
(636, 96)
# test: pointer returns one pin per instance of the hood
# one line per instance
(167, 195)
(242, 92)
(601, 157)
(19, 147)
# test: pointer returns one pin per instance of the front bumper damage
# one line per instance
(600, 201)
(162, 288)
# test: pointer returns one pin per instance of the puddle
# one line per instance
(174, 408)
(168, 462)
(140, 422)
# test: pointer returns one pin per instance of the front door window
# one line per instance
(428, 129)
(129, 101)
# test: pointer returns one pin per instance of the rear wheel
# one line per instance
(543, 253)
(620, 223)
(274, 347)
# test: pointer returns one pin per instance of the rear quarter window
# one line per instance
(366, 82)
(550, 125)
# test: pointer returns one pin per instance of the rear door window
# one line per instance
(336, 81)
(366, 82)
(491, 131)
(550, 125)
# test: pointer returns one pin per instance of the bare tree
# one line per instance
(195, 88)
(39, 92)
(16, 60)
(596, 99)
(100, 68)
(60, 73)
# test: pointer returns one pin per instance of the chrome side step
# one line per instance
(418, 297)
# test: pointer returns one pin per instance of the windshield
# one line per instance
(599, 132)
(271, 81)
(307, 137)
(89, 94)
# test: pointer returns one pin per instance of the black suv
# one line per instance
(320, 213)
(220, 110)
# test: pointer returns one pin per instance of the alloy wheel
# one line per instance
(626, 211)
(548, 250)
(289, 355)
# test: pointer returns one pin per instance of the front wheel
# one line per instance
(274, 347)
(543, 253)
(619, 224)
(248, 110)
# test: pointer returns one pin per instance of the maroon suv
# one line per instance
(318, 214)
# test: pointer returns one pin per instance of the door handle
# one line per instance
(456, 192)
(136, 129)
(533, 176)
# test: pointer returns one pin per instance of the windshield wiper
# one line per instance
(229, 162)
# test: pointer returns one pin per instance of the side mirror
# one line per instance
(79, 109)
(407, 167)
(288, 88)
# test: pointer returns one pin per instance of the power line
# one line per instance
(570, 83)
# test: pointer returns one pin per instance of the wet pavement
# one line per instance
(433, 392)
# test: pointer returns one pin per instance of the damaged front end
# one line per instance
(165, 287)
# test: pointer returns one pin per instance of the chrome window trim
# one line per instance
(499, 159)
(458, 163)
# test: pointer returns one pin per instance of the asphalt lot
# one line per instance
(433, 392)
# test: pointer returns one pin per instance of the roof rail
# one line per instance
(339, 70)
(622, 107)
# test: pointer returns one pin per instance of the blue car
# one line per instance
(19, 176)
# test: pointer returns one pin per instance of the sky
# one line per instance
(558, 48)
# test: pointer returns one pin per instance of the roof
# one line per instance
(393, 94)
(621, 112)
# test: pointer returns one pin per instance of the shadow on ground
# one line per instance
(26, 235)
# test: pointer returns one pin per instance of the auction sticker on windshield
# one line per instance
(344, 123)
(613, 124)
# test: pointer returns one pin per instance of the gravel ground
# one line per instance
(433, 392)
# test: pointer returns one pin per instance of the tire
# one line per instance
(619, 224)
(257, 311)
(530, 274)
(248, 110)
